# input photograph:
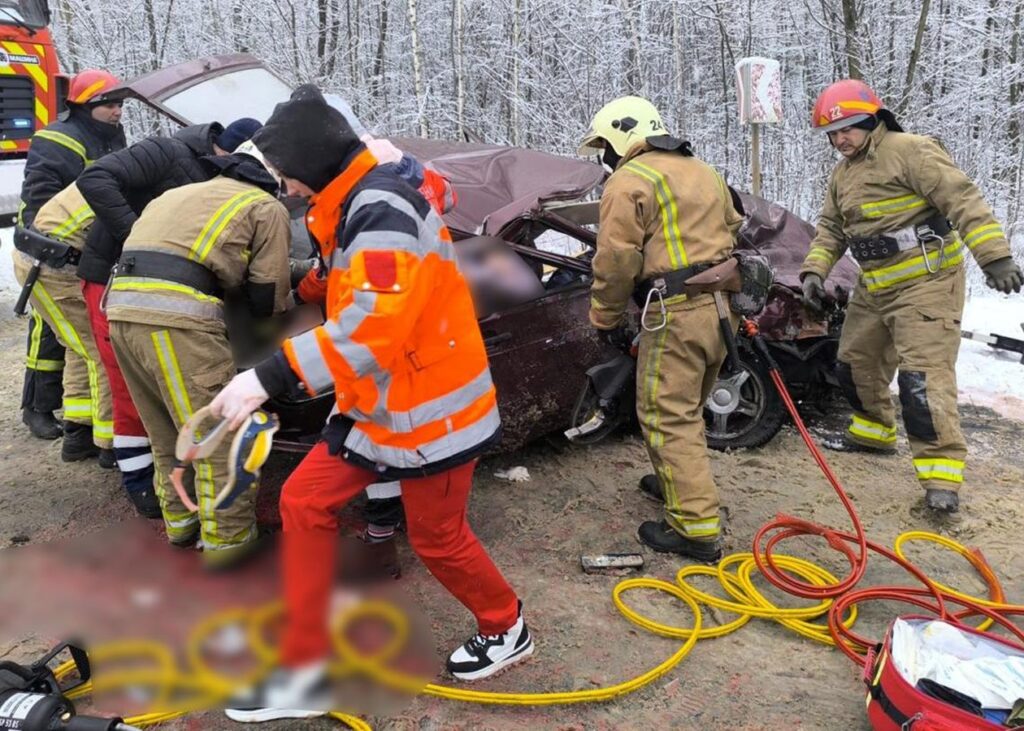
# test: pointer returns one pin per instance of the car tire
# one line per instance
(744, 410)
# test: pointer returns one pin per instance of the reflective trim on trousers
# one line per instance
(172, 374)
(32, 360)
(950, 470)
(652, 376)
(702, 528)
(72, 340)
(872, 430)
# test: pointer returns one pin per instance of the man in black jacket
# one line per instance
(117, 189)
(59, 153)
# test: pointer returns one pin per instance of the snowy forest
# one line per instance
(532, 72)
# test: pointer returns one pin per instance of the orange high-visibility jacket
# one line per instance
(401, 344)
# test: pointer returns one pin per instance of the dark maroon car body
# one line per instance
(532, 303)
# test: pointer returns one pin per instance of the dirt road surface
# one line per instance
(69, 541)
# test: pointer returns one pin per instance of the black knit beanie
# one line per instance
(868, 123)
(307, 139)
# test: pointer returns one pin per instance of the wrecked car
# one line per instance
(524, 227)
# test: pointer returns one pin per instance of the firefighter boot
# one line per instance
(650, 486)
(663, 538)
(78, 443)
(941, 501)
(42, 424)
(106, 459)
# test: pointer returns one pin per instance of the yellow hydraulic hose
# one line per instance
(197, 687)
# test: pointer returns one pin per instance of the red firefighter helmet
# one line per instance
(844, 103)
(91, 86)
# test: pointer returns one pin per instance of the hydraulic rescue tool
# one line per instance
(42, 250)
(31, 698)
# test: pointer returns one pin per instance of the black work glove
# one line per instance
(813, 293)
(1003, 275)
(619, 338)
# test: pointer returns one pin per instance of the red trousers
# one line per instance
(126, 417)
(435, 508)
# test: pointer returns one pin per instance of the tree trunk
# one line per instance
(915, 54)
(851, 30)
(417, 70)
(513, 101)
(377, 82)
(458, 30)
(150, 15)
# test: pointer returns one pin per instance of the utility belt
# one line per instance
(169, 267)
(45, 250)
(669, 284)
(887, 245)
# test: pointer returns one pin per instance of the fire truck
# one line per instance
(32, 91)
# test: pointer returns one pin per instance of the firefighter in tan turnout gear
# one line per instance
(909, 216)
(189, 248)
(57, 298)
(665, 216)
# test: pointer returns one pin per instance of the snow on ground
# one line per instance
(8, 285)
(986, 376)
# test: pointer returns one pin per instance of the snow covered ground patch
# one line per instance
(986, 376)
(8, 285)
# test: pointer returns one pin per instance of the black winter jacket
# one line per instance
(60, 152)
(120, 186)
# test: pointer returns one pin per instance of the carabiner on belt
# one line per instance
(924, 235)
(647, 304)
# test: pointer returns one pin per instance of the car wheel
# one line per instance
(744, 410)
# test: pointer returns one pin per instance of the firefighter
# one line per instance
(117, 188)
(403, 352)
(59, 153)
(909, 216)
(57, 299)
(664, 217)
(190, 248)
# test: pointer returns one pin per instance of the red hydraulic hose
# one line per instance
(855, 547)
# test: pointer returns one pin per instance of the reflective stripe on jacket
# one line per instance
(233, 228)
(901, 180)
(401, 345)
(660, 211)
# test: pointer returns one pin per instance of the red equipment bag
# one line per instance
(895, 705)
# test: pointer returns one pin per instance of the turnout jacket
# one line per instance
(661, 210)
(59, 153)
(120, 185)
(401, 345)
(67, 218)
(901, 180)
(231, 227)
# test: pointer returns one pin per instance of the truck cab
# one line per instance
(32, 90)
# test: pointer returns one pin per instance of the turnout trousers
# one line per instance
(131, 443)
(676, 370)
(172, 373)
(57, 299)
(439, 533)
(914, 330)
(43, 388)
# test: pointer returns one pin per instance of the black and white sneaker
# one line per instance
(484, 655)
(286, 693)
